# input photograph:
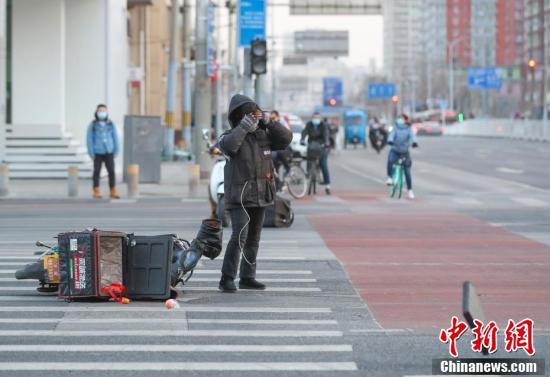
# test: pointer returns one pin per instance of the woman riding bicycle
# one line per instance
(400, 139)
(317, 132)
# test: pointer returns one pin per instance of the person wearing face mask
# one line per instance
(317, 131)
(249, 186)
(103, 147)
(401, 138)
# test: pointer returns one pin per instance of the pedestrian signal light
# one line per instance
(258, 56)
(460, 117)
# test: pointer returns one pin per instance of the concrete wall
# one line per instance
(96, 62)
(507, 128)
(38, 68)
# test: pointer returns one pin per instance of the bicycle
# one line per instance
(314, 153)
(295, 180)
(398, 176)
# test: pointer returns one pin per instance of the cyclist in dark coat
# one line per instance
(317, 131)
(249, 185)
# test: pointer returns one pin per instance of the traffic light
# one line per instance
(258, 57)
(332, 102)
(395, 99)
(532, 63)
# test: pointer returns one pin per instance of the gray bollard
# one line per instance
(72, 181)
(194, 179)
(133, 181)
(4, 179)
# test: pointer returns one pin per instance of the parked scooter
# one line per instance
(216, 189)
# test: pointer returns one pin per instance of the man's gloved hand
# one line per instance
(390, 142)
(249, 123)
(302, 142)
(415, 145)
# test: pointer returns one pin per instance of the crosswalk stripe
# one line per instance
(203, 280)
(191, 289)
(35, 257)
(19, 257)
(159, 307)
(174, 348)
(173, 320)
(186, 366)
(169, 333)
(268, 289)
(259, 272)
(12, 263)
(7, 271)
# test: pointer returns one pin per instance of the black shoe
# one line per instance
(327, 190)
(251, 283)
(227, 285)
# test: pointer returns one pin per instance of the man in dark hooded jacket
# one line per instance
(249, 186)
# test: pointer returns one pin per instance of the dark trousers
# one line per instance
(109, 160)
(249, 240)
(392, 159)
(323, 164)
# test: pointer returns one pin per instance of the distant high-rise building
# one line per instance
(459, 22)
(506, 33)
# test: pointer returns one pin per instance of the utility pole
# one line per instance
(219, 78)
(273, 50)
(171, 80)
(203, 87)
(186, 76)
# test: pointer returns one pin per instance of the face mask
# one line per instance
(316, 122)
(400, 121)
(102, 115)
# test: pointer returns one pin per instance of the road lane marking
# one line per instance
(504, 169)
(531, 202)
(159, 308)
(217, 321)
(172, 348)
(467, 201)
(186, 366)
(171, 333)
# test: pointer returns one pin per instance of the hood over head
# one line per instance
(236, 103)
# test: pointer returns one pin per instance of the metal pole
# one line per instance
(248, 85)
(171, 80)
(259, 89)
(186, 77)
(203, 87)
(273, 50)
(219, 77)
(451, 76)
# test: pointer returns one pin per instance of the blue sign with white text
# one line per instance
(484, 78)
(251, 21)
(381, 90)
(333, 91)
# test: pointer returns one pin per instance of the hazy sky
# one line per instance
(365, 32)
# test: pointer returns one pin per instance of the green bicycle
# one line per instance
(398, 177)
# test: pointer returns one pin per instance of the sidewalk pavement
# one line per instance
(174, 183)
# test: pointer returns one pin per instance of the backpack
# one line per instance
(279, 214)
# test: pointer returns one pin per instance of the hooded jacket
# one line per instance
(248, 173)
(402, 136)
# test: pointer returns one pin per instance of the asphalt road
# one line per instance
(359, 286)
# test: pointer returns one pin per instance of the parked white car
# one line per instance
(296, 125)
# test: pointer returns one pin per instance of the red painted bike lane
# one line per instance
(409, 262)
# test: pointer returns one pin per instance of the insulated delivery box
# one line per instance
(90, 261)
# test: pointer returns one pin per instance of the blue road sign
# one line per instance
(211, 48)
(251, 21)
(484, 78)
(381, 90)
(333, 91)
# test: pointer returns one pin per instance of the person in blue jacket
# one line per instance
(103, 147)
(401, 138)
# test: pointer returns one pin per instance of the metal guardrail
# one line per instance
(534, 130)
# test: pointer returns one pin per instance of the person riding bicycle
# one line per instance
(400, 139)
(317, 131)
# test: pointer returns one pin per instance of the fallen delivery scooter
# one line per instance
(82, 264)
